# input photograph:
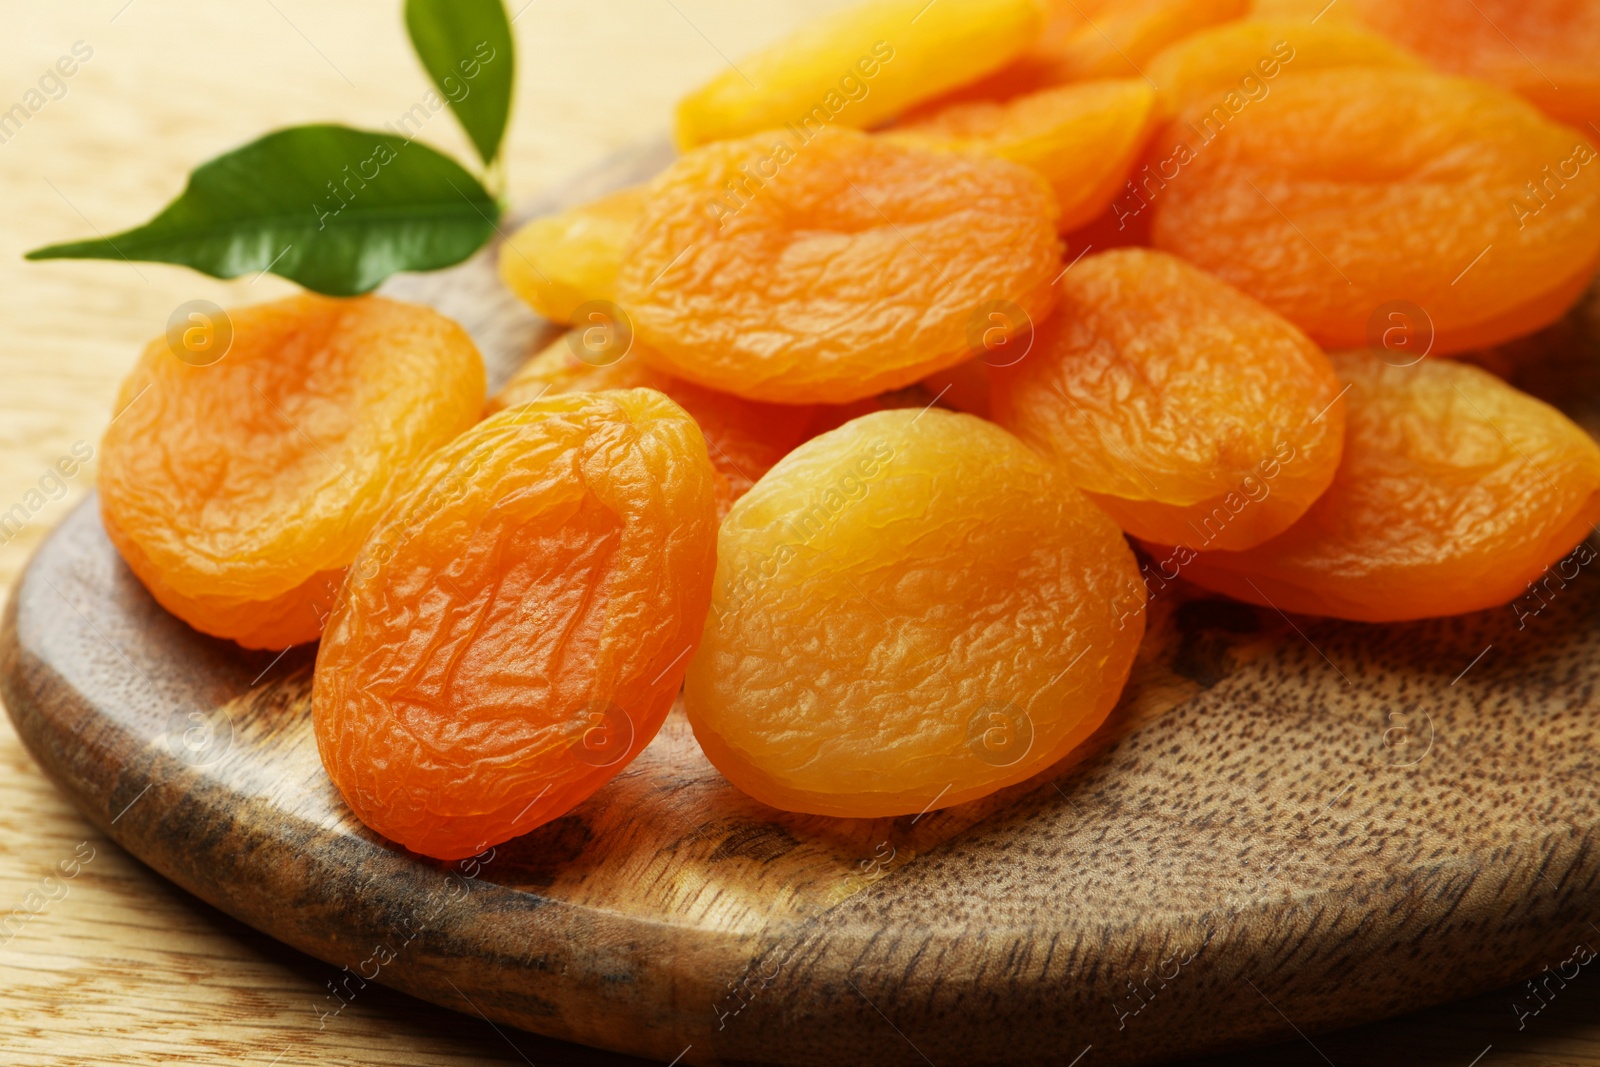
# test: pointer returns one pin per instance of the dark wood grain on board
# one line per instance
(1285, 819)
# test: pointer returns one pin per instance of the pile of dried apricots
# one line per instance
(866, 395)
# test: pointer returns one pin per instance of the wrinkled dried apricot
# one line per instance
(1189, 412)
(558, 262)
(1121, 37)
(239, 490)
(850, 267)
(516, 629)
(744, 437)
(1545, 50)
(1088, 39)
(858, 67)
(909, 612)
(1083, 138)
(1455, 491)
(1245, 58)
(1359, 187)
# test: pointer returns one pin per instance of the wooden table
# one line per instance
(113, 965)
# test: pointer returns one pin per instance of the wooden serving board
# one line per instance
(1287, 825)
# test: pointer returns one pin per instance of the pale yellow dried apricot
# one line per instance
(858, 67)
(909, 612)
(558, 262)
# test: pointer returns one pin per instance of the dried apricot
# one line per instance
(1300, 12)
(238, 491)
(1544, 50)
(516, 629)
(1359, 187)
(1083, 138)
(858, 67)
(1455, 491)
(1120, 38)
(1189, 412)
(1243, 59)
(558, 262)
(1089, 39)
(849, 267)
(909, 612)
(744, 437)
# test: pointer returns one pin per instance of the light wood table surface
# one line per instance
(116, 966)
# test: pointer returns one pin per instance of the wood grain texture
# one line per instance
(118, 966)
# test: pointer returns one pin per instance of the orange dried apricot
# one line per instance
(858, 67)
(516, 629)
(1360, 187)
(558, 262)
(1455, 491)
(847, 266)
(1089, 39)
(1122, 37)
(909, 612)
(744, 437)
(238, 491)
(1545, 50)
(1245, 58)
(1189, 412)
(1301, 12)
(1083, 138)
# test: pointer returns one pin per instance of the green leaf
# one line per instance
(466, 47)
(337, 210)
